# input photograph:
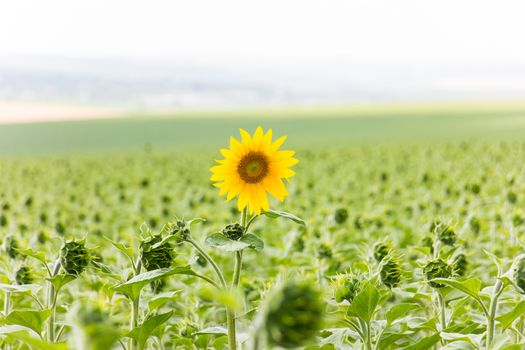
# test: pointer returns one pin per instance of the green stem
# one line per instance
(232, 329)
(365, 329)
(210, 260)
(51, 303)
(7, 302)
(442, 312)
(496, 292)
(134, 320)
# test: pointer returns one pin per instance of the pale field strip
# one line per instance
(33, 112)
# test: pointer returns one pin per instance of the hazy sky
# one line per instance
(270, 30)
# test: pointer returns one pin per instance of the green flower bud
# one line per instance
(24, 275)
(518, 272)
(512, 197)
(341, 215)
(475, 224)
(381, 250)
(459, 265)
(346, 288)
(74, 257)
(156, 255)
(298, 244)
(180, 230)
(188, 329)
(233, 231)
(11, 246)
(429, 243)
(293, 315)
(436, 269)
(390, 272)
(518, 218)
(324, 251)
(445, 234)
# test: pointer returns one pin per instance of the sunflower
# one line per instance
(253, 167)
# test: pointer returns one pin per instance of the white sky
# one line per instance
(269, 30)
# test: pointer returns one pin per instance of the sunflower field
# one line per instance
(264, 243)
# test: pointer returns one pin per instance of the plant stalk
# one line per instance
(496, 292)
(51, 303)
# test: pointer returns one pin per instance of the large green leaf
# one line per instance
(425, 343)
(144, 331)
(507, 319)
(23, 288)
(31, 319)
(133, 287)
(161, 299)
(61, 280)
(40, 256)
(127, 251)
(365, 303)
(220, 241)
(470, 286)
(400, 310)
(253, 241)
(274, 214)
(23, 335)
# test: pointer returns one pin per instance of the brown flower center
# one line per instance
(253, 167)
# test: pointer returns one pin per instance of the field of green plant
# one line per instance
(397, 233)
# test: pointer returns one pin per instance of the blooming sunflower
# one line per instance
(251, 168)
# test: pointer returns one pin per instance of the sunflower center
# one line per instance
(253, 167)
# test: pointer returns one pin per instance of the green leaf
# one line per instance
(161, 299)
(400, 310)
(507, 319)
(220, 241)
(61, 280)
(144, 331)
(253, 241)
(23, 288)
(470, 286)
(127, 251)
(213, 330)
(133, 287)
(365, 303)
(35, 343)
(425, 343)
(274, 214)
(31, 319)
(40, 256)
(195, 221)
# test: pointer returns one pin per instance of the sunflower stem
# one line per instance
(51, 304)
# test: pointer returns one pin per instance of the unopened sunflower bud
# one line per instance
(74, 257)
(156, 255)
(428, 242)
(10, 246)
(518, 272)
(436, 269)
(24, 275)
(324, 251)
(233, 231)
(459, 265)
(188, 329)
(390, 272)
(445, 234)
(518, 218)
(293, 315)
(346, 288)
(341, 215)
(381, 250)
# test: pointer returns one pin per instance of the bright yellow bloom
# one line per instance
(252, 167)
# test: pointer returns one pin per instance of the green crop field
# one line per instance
(403, 228)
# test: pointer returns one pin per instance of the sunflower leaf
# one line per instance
(222, 242)
(254, 241)
(274, 214)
